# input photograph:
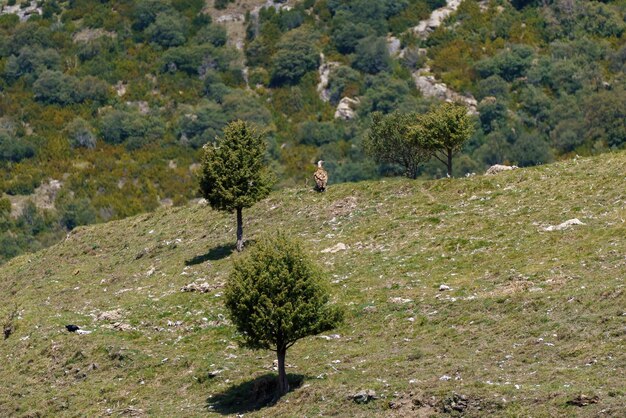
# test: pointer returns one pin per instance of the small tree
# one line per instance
(391, 141)
(276, 297)
(234, 175)
(445, 129)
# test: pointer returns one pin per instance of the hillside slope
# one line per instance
(533, 318)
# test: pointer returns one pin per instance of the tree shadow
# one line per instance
(214, 254)
(252, 395)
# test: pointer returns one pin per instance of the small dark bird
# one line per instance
(72, 328)
(321, 177)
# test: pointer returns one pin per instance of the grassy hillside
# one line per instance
(533, 319)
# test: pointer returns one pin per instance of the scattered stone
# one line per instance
(120, 326)
(201, 287)
(330, 337)
(370, 309)
(83, 332)
(400, 300)
(445, 378)
(363, 396)
(339, 247)
(111, 316)
(455, 403)
(444, 287)
(583, 400)
(150, 272)
(499, 168)
(563, 225)
(214, 373)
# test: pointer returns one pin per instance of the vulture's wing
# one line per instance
(321, 178)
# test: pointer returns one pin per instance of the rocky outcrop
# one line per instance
(393, 45)
(324, 72)
(430, 87)
(346, 108)
(23, 13)
(427, 26)
(425, 82)
(498, 168)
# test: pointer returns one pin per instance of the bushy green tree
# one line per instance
(81, 134)
(234, 174)
(167, 30)
(146, 11)
(446, 128)
(391, 141)
(509, 64)
(372, 55)
(276, 297)
(14, 149)
(296, 56)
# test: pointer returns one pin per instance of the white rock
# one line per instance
(445, 378)
(428, 85)
(564, 225)
(345, 108)
(393, 45)
(444, 287)
(399, 300)
(498, 168)
(425, 27)
(339, 247)
(324, 72)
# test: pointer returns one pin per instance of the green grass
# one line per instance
(533, 318)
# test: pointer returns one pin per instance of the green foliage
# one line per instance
(14, 149)
(214, 34)
(55, 87)
(372, 55)
(344, 82)
(508, 64)
(200, 125)
(81, 134)
(531, 150)
(390, 141)
(347, 34)
(296, 55)
(445, 129)
(234, 173)
(222, 4)
(276, 297)
(118, 126)
(168, 30)
(76, 212)
(318, 133)
(146, 11)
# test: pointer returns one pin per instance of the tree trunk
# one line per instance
(283, 384)
(239, 230)
(449, 163)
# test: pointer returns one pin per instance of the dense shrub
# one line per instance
(14, 149)
(167, 30)
(372, 55)
(295, 57)
(81, 134)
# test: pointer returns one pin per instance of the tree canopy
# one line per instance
(234, 172)
(276, 296)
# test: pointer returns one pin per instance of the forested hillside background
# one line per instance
(104, 105)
